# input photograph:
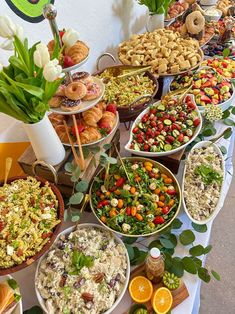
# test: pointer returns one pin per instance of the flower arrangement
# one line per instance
(30, 80)
(156, 6)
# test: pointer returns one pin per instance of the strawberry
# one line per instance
(105, 126)
(68, 62)
(206, 99)
(80, 126)
(111, 108)
(61, 34)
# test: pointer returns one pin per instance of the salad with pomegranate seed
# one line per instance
(166, 126)
(208, 86)
(139, 206)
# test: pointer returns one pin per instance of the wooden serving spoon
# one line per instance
(7, 168)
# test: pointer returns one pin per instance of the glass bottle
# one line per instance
(154, 265)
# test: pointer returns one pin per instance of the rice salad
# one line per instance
(84, 272)
(203, 182)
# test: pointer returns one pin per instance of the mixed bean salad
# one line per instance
(141, 205)
(166, 126)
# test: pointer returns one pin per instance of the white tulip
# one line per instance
(7, 27)
(1, 67)
(70, 37)
(19, 32)
(52, 70)
(7, 44)
(41, 55)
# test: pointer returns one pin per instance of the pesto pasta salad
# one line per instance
(28, 214)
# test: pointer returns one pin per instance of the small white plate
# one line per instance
(18, 308)
(85, 105)
(219, 204)
(75, 66)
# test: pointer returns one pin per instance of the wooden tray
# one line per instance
(179, 295)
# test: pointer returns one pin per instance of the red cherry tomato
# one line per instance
(120, 182)
(180, 137)
(159, 220)
(135, 130)
(128, 211)
(196, 122)
(171, 192)
(165, 210)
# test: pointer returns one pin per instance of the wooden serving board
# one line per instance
(179, 295)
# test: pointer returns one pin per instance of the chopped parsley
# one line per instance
(208, 174)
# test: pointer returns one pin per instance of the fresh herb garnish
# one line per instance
(12, 283)
(17, 297)
(208, 174)
(79, 260)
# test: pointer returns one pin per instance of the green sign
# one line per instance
(29, 10)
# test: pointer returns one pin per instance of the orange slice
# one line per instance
(162, 300)
(141, 289)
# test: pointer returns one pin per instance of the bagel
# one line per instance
(195, 22)
(75, 91)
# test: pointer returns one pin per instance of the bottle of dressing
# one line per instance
(154, 265)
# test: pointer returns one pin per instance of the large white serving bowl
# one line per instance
(220, 202)
(68, 231)
(157, 154)
(18, 308)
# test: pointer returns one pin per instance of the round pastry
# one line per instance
(195, 22)
(70, 105)
(83, 77)
(93, 91)
(60, 91)
(77, 52)
(75, 91)
(55, 102)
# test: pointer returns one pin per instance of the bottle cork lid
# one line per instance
(155, 252)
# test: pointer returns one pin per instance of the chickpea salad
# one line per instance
(140, 206)
(28, 215)
(84, 272)
(165, 126)
(203, 182)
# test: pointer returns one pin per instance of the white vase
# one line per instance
(45, 142)
(155, 21)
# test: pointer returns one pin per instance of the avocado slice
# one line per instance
(29, 10)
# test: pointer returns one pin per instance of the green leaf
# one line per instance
(207, 249)
(34, 310)
(155, 243)
(140, 256)
(82, 186)
(77, 172)
(177, 267)
(12, 283)
(223, 150)
(69, 167)
(17, 297)
(196, 250)
(112, 160)
(197, 262)
(203, 274)
(75, 217)
(228, 133)
(86, 152)
(226, 114)
(129, 240)
(168, 261)
(106, 146)
(95, 149)
(130, 251)
(76, 198)
(169, 241)
(209, 132)
(187, 237)
(176, 224)
(226, 52)
(229, 122)
(233, 110)
(199, 228)
(215, 275)
(189, 265)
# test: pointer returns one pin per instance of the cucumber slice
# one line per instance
(175, 133)
(136, 147)
(167, 147)
(161, 107)
(161, 138)
(140, 125)
(161, 144)
(167, 122)
(189, 122)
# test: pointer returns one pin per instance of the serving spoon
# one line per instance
(7, 168)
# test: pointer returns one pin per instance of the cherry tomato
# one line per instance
(171, 192)
(128, 211)
(180, 137)
(146, 147)
(153, 110)
(153, 124)
(159, 220)
(120, 182)
(160, 127)
(165, 210)
(196, 122)
(135, 130)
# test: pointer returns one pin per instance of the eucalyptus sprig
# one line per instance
(167, 242)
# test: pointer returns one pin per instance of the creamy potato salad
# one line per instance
(85, 272)
(203, 182)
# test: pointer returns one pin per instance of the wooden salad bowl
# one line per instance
(30, 260)
(130, 112)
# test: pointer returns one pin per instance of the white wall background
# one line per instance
(102, 24)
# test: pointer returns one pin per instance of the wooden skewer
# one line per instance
(7, 168)
(82, 161)
(120, 158)
(75, 155)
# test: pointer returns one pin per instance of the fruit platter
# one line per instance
(129, 88)
(77, 95)
(224, 66)
(202, 183)
(94, 125)
(208, 87)
(165, 127)
(24, 238)
(9, 288)
(70, 51)
(79, 269)
(139, 197)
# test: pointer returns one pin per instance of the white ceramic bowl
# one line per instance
(166, 153)
(220, 204)
(210, 17)
(68, 231)
(208, 2)
(17, 308)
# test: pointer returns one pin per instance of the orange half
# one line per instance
(141, 289)
(162, 300)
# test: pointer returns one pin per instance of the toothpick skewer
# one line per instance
(120, 158)
(76, 159)
(82, 161)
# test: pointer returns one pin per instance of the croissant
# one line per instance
(60, 130)
(89, 135)
(109, 117)
(101, 105)
(92, 116)
(56, 119)
(77, 52)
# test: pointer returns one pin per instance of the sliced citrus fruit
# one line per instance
(141, 289)
(162, 300)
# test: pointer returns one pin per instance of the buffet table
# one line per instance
(191, 305)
